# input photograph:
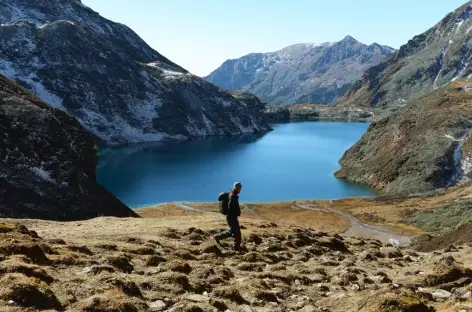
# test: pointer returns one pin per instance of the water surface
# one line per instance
(295, 161)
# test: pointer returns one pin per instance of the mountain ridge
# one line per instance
(428, 61)
(300, 73)
(107, 77)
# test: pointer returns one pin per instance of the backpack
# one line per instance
(223, 198)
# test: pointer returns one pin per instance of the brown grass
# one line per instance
(286, 257)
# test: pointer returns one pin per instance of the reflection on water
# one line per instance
(296, 161)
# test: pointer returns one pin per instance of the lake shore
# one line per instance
(395, 215)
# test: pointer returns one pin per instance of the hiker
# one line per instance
(229, 206)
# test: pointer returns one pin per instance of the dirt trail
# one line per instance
(186, 207)
(362, 230)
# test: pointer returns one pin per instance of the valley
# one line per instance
(112, 157)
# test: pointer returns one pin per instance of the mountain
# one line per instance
(47, 162)
(301, 73)
(428, 61)
(423, 146)
(102, 73)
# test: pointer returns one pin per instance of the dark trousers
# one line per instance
(234, 230)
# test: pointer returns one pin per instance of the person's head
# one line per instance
(237, 187)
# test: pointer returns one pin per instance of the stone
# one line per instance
(355, 287)
(11, 303)
(157, 306)
(197, 298)
(322, 288)
(308, 308)
(382, 279)
(440, 294)
(462, 293)
(347, 278)
(391, 252)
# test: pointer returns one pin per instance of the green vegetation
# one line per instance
(445, 217)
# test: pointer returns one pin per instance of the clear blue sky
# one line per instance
(201, 34)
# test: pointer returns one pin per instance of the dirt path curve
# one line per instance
(362, 230)
(186, 207)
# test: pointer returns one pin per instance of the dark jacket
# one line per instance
(233, 205)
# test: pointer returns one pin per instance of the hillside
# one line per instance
(428, 61)
(47, 162)
(166, 261)
(422, 147)
(107, 77)
(301, 73)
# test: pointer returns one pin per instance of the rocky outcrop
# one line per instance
(47, 163)
(302, 73)
(422, 147)
(271, 113)
(107, 77)
(428, 61)
(276, 113)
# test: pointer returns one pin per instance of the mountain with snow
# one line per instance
(441, 55)
(301, 73)
(107, 77)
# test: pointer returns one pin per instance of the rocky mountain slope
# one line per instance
(171, 264)
(102, 73)
(424, 146)
(428, 61)
(47, 162)
(302, 73)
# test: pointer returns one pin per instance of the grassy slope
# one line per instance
(412, 151)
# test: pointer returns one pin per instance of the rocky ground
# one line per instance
(167, 261)
(47, 162)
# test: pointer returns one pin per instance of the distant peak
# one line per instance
(382, 47)
(349, 39)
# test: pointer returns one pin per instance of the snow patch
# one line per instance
(468, 30)
(47, 96)
(7, 69)
(43, 174)
(226, 103)
(457, 159)
(208, 124)
(146, 109)
(168, 72)
(467, 165)
(461, 71)
(55, 22)
(38, 89)
(458, 26)
(444, 50)
(119, 130)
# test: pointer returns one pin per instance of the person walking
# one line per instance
(230, 207)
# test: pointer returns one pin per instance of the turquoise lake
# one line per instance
(295, 161)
